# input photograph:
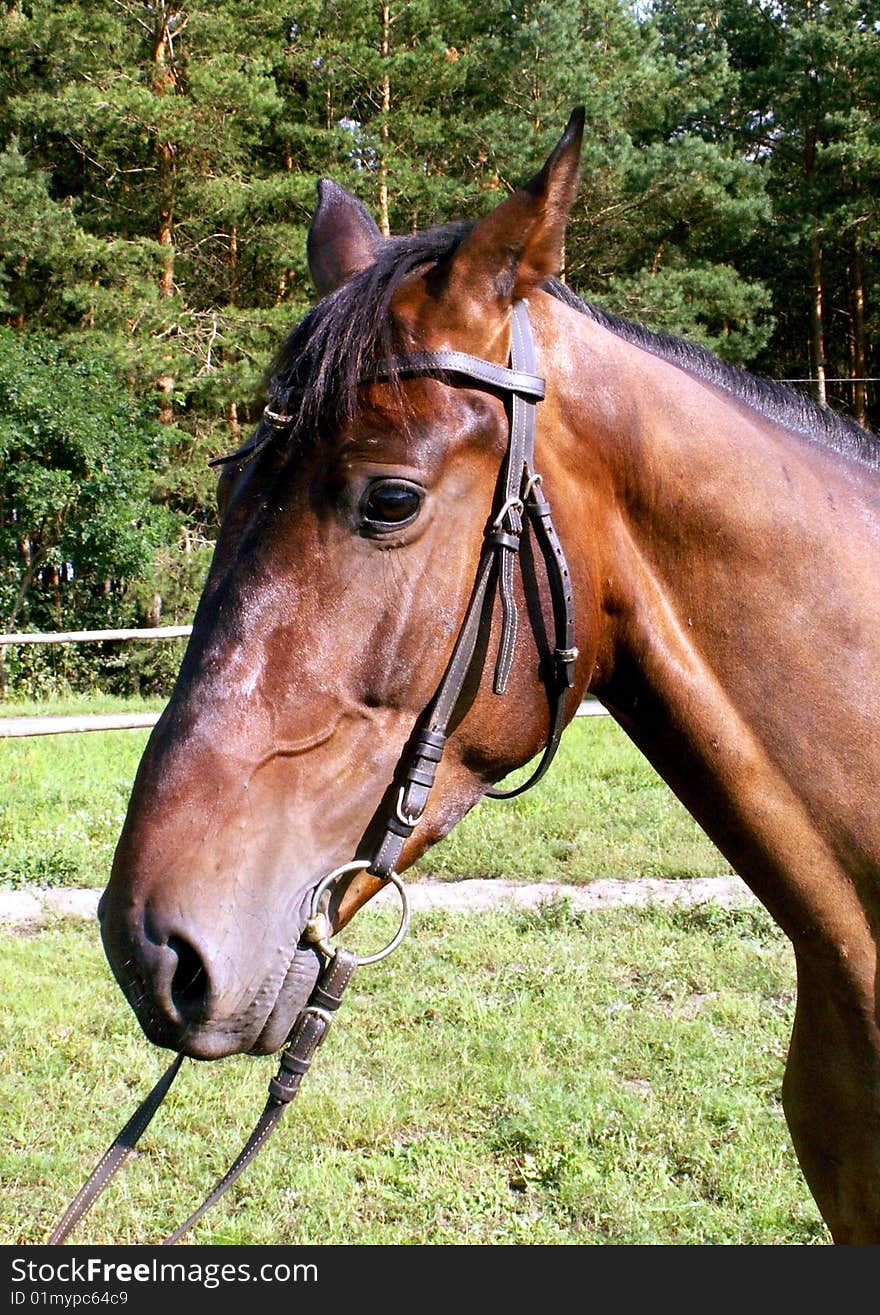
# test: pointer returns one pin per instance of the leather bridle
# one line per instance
(522, 502)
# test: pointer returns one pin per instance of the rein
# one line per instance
(522, 502)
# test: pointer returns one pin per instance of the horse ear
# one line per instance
(343, 238)
(520, 243)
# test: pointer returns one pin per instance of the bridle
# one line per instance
(521, 501)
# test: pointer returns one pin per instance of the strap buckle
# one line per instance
(407, 819)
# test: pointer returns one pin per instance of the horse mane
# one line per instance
(349, 333)
(770, 398)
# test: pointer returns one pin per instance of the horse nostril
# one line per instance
(190, 984)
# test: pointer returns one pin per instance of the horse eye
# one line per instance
(390, 503)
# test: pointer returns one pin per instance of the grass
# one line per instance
(64, 796)
(547, 1077)
(601, 811)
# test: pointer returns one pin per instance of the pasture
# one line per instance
(547, 1078)
(531, 1078)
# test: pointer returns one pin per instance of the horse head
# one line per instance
(352, 527)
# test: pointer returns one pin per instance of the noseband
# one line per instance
(520, 501)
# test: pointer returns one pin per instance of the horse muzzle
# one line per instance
(201, 1001)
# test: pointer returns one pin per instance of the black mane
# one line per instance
(349, 333)
(774, 400)
(317, 369)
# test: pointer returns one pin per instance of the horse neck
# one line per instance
(727, 560)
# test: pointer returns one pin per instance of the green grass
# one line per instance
(547, 1077)
(64, 797)
(601, 811)
(71, 705)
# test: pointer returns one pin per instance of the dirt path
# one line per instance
(30, 908)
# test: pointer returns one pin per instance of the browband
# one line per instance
(520, 382)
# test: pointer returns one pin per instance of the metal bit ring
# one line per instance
(318, 931)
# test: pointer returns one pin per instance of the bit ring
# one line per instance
(318, 931)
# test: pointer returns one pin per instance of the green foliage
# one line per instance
(709, 303)
(800, 111)
(158, 167)
(77, 455)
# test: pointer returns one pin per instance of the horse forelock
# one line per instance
(349, 334)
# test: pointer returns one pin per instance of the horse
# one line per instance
(721, 539)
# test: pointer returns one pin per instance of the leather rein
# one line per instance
(522, 502)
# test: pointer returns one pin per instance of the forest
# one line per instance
(158, 170)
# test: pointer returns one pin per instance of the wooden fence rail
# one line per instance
(95, 636)
(17, 727)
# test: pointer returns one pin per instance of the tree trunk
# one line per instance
(285, 279)
(859, 349)
(165, 386)
(385, 48)
(31, 562)
(233, 422)
(817, 328)
(233, 264)
(163, 81)
(810, 153)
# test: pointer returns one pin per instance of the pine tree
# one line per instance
(158, 165)
(803, 114)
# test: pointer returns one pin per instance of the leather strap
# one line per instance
(444, 362)
(521, 493)
(308, 1032)
(118, 1151)
(518, 381)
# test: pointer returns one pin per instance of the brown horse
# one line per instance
(723, 542)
